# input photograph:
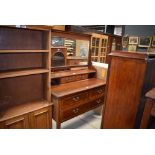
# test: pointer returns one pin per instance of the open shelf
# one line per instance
(23, 51)
(22, 109)
(70, 73)
(58, 47)
(24, 76)
(25, 39)
(22, 73)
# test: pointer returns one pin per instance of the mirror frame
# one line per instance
(74, 36)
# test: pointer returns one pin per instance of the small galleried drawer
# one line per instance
(67, 79)
(74, 100)
(83, 76)
(97, 92)
(73, 112)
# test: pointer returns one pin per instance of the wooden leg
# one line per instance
(146, 114)
(58, 125)
(57, 113)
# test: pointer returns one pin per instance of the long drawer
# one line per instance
(74, 100)
(72, 112)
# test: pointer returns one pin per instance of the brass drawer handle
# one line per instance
(98, 101)
(76, 98)
(99, 91)
(76, 110)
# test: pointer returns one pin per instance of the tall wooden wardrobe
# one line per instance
(130, 76)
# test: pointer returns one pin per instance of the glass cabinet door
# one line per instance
(95, 48)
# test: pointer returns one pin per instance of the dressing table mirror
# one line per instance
(70, 48)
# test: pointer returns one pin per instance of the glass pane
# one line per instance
(97, 42)
(102, 42)
(77, 52)
(105, 43)
(57, 41)
(96, 52)
(95, 59)
(58, 59)
(102, 60)
(71, 45)
(102, 51)
(93, 41)
(93, 51)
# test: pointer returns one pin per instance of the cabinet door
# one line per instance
(20, 122)
(41, 119)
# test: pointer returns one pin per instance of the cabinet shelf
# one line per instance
(22, 109)
(22, 73)
(25, 77)
(70, 73)
(24, 51)
(58, 47)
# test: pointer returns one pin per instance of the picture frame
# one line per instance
(125, 41)
(151, 50)
(153, 41)
(132, 48)
(133, 40)
(144, 41)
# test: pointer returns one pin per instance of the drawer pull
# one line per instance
(98, 101)
(99, 91)
(76, 98)
(76, 110)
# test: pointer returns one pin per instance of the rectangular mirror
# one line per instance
(77, 50)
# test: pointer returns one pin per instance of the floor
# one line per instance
(89, 120)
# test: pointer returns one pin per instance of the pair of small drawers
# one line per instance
(73, 78)
(81, 102)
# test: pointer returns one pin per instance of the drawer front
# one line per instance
(82, 76)
(97, 92)
(74, 100)
(67, 79)
(73, 78)
(70, 113)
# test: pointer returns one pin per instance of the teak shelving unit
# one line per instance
(25, 95)
(99, 44)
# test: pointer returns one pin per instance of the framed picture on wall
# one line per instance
(125, 42)
(132, 48)
(151, 49)
(133, 40)
(144, 41)
(153, 41)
